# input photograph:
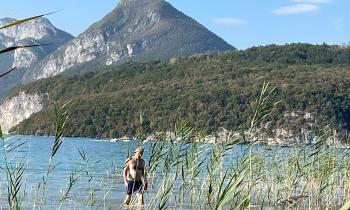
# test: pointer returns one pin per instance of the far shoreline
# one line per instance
(133, 139)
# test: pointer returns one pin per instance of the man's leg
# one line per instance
(127, 200)
(140, 201)
(139, 193)
(129, 191)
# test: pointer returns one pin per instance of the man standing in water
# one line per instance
(135, 179)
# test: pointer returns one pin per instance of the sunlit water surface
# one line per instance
(105, 161)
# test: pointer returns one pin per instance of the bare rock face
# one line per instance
(38, 31)
(38, 28)
(137, 29)
(80, 50)
(21, 107)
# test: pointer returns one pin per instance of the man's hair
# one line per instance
(139, 150)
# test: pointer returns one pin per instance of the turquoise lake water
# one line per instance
(105, 162)
(105, 167)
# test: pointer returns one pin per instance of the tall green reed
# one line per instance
(14, 170)
(61, 113)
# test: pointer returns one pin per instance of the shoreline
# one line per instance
(216, 141)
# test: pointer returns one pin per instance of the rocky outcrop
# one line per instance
(16, 109)
(38, 31)
(304, 134)
(281, 136)
(142, 30)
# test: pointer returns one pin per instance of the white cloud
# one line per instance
(339, 24)
(313, 1)
(298, 8)
(229, 21)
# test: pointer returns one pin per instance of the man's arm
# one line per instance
(144, 173)
(125, 172)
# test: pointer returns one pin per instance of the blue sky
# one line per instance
(242, 23)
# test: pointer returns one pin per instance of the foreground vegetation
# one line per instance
(211, 91)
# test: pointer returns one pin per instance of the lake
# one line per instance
(104, 161)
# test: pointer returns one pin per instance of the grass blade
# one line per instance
(9, 71)
(17, 22)
(9, 49)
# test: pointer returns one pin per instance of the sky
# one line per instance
(242, 23)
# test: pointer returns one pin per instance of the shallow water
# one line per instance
(105, 162)
(105, 158)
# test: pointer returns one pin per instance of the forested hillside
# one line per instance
(210, 91)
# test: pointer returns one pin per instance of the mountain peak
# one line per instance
(40, 28)
(139, 2)
(6, 20)
(38, 31)
(136, 29)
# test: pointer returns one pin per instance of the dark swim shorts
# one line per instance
(134, 187)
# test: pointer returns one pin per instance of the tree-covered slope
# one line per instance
(211, 91)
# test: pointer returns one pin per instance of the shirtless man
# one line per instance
(135, 179)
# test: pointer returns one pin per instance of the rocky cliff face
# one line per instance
(38, 31)
(142, 30)
(21, 107)
(305, 134)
